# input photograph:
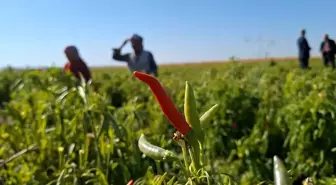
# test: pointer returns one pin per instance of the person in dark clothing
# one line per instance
(328, 50)
(76, 65)
(140, 60)
(304, 50)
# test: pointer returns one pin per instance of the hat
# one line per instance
(136, 37)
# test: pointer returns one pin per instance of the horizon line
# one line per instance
(258, 59)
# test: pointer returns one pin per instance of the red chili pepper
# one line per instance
(130, 182)
(166, 103)
(235, 125)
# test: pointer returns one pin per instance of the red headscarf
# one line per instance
(67, 66)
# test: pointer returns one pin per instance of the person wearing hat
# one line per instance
(140, 60)
(76, 65)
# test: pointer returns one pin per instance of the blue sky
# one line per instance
(34, 33)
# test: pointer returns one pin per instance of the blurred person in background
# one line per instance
(304, 50)
(140, 60)
(76, 64)
(328, 50)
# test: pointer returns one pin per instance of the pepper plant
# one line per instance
(189, 135)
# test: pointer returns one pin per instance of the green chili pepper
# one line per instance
(208, 115)
(190, 112)
(192, 118)
(153, 151)
(280, 172)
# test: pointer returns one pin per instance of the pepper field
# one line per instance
(52, 132)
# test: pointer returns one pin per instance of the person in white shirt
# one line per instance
(140, 60)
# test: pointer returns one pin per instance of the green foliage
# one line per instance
(53, 130)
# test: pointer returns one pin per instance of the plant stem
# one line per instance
(158, 167)
(195, 150)
(185, 155)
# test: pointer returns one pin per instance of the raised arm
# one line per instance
(116, 53)
(119, 57)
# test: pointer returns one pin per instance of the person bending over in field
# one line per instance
(140, 60)
(75, 64)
